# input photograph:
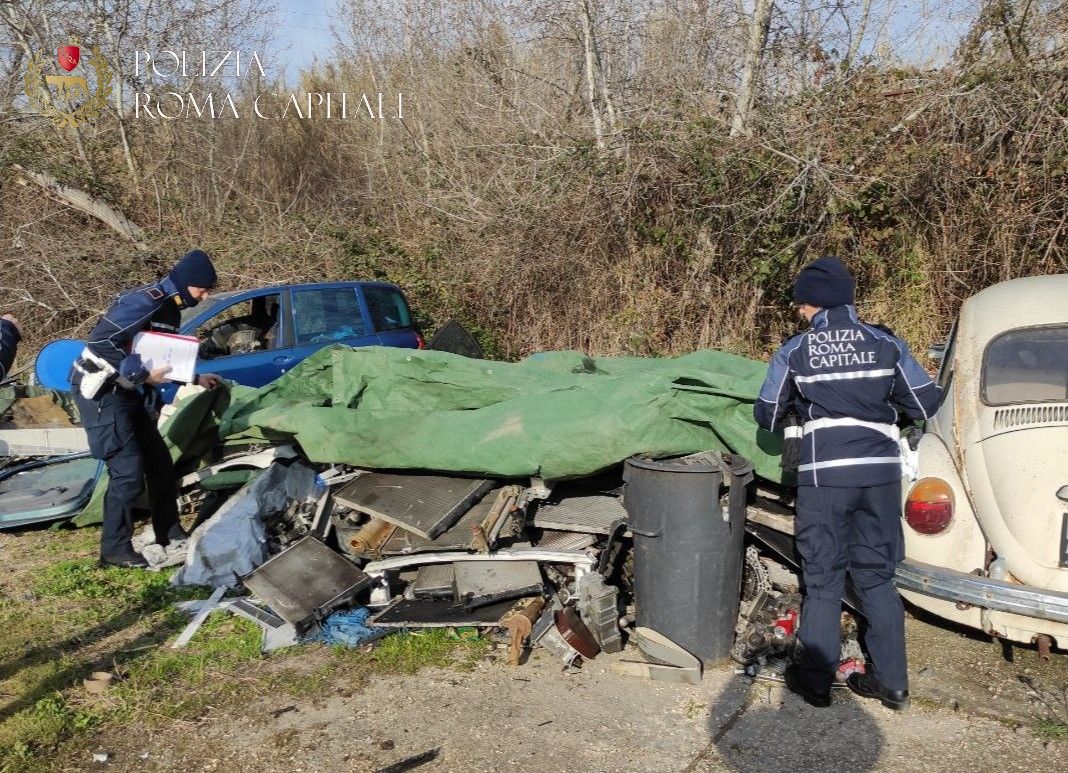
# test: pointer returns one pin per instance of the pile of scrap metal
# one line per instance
(540, 564)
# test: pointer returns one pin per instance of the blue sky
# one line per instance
(303, 33)
(922, 31)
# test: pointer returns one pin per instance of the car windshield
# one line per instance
(1029, 365)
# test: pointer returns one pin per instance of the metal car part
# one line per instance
(261, 460)
(426, 505)
(486, 582)
(998, 595)
(438, 613)
(453, 337)
(565, 540)
(434, 581)
(589, 515)
(303, 583)
(598, 603)
(581, 560)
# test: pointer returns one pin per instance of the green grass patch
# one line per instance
(84, 579)
(61, 617)
(1052, 730)
(44, 724)
(408, 653)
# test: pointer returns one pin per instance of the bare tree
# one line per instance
(754, 55)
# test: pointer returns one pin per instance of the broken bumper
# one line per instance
(982, 592)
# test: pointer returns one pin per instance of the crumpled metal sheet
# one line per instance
(233, 541)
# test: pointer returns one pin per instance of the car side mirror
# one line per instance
(937, 352)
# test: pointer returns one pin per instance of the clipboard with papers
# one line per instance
(160, 350)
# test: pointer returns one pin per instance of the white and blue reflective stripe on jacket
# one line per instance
(846, 381)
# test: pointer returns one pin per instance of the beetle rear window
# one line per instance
(1029, 365)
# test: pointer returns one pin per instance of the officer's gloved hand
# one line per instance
(132, 371)
(913, 435)
(791, 443)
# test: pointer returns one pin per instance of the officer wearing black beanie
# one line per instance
(10, 335)
(848, 380)
(117, 411)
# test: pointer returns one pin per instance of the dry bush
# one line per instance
(499, 201)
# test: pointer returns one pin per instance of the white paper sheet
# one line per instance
(158, 350)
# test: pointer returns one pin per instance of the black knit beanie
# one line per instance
(826, 283)
(194, 270)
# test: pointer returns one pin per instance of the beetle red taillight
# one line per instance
(929, 507)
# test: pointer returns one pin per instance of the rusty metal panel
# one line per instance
(426, 505)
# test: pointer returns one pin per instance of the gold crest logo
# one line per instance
(69, 88)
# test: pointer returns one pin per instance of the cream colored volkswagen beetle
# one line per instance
(986, 529)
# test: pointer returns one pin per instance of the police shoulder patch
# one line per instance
(155, 293)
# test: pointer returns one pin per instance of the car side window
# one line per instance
(246, 326)
(388, 309)
(331, 314)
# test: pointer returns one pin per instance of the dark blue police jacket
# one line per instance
(9, 341)
(152, 307)
(846, 381)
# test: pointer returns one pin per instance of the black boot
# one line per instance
(869, 686)
(798, 686)
(127, 560)
(177, 534)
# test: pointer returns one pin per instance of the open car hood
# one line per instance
(46, 489)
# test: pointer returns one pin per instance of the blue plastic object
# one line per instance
(348, 629)
(52, 367)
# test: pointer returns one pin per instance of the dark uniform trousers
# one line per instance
(123, 434)
(856, 531)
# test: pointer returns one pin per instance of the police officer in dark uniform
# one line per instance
(10, 335)
(114, 394)
(847, 380)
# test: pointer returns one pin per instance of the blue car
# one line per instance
(254, 336)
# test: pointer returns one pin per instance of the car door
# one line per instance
(243, 339)
(324, 315)
(391, 319)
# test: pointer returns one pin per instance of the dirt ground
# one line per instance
(972, 710)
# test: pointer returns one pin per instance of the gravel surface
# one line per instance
(537, 717)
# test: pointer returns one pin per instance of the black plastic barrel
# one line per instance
(688, 550)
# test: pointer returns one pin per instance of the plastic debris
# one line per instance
(348, 628)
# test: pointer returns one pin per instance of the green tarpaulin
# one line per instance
(553, 415)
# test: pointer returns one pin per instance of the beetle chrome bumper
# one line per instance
(983, 592)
